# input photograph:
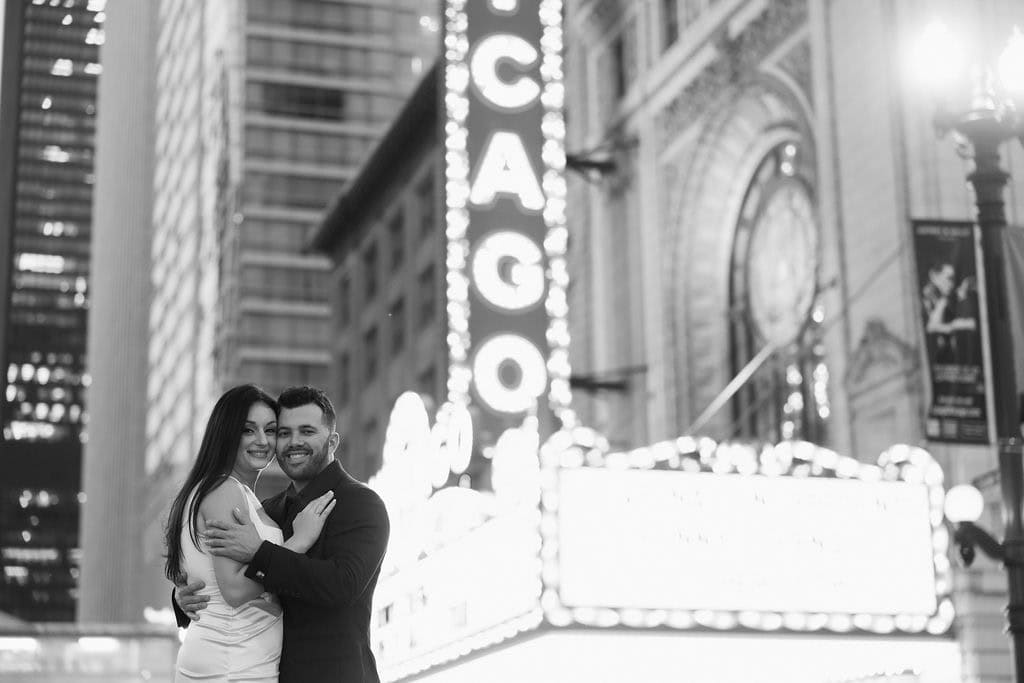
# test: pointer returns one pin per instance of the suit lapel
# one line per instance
(283, 507)
(275, 507)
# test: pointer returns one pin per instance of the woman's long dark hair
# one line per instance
(214, 462)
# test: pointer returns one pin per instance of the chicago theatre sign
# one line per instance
(570, 538)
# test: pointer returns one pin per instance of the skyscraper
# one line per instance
(264, 110)
(49, 99)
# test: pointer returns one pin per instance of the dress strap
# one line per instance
(250, 498)
(245, 489)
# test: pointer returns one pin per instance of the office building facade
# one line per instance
(51, 67)
(269, 111)
(389, 324)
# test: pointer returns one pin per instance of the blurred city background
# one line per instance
(762, 201)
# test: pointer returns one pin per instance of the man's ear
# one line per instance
(333, 441)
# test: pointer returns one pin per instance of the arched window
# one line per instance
(774, 300)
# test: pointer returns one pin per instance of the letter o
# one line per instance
(487, 363)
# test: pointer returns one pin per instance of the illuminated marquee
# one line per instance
(508, 339)
(505, 218)
(682, 535)
(866, 551)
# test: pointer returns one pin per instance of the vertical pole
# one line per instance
(1012, 474)
(989, 179)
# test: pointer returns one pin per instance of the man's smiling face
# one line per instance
(305, 445)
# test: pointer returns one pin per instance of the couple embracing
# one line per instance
(280, 590)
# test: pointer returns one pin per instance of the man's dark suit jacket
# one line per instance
(326, 593)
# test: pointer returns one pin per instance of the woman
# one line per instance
(239, 636)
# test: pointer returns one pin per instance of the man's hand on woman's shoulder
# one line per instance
(236, 539)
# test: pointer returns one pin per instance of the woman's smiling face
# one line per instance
(258, 444)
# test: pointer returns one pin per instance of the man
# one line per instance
(949, 311)
(326, 593)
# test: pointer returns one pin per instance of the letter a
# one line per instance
(506, 168)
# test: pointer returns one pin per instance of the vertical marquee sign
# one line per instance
(505, 191)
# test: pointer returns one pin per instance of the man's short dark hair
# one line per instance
(296, 397)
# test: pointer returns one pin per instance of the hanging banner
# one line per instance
(1013, 241)
(948, 259)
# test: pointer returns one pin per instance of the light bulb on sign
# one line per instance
(406, 451)
(438, 452)
(459, 440)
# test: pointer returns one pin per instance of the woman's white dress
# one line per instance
(230, 643)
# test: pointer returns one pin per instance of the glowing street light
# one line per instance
(938, 59)
(964, 504)
(963, 507)
(1011, 65)
(981, 104)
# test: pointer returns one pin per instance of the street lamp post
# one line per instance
(986, 133)
(980, 130)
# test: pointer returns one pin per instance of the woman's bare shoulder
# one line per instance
(219, 502)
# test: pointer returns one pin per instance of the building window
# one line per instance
(345, 301)
(370, 353)
(344, 379)
(396, 230)
(352, 18)
(272, 235)
(278, 375)
(372, 445)
(692, 10)
(328, 104)
(396, 316)
(283, 282)
(323, 59)
(426, 382)
(787, 397)
(619, 66)
(370, 277)
(425, 201)
(259, 329)
(266, 189)
(428, 296)
(302, 101)
(315, 147)
(670, 22)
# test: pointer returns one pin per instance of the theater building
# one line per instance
(685, 427)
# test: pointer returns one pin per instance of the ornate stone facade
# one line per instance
(740, 78)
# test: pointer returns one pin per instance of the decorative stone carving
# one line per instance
(737, 57)
(880, 356)
(797, 65)
(603, 14)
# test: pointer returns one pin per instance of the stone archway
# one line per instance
(708, 195)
